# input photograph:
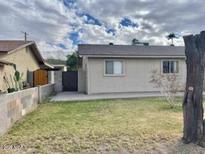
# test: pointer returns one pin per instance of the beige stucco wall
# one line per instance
(81, 80)
(136, 79)
(8, 71)
(82, 76)
(24, 60)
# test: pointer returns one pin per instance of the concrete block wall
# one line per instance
(45, 91)
(14, 106)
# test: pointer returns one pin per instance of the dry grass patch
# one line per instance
(105, 126)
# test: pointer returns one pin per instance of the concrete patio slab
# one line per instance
(75, 96)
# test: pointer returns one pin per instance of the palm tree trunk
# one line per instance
(193, 97)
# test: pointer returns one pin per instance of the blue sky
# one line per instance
(58, 26)
(128, 22)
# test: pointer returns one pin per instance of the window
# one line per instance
(170, 66)
(113, 67)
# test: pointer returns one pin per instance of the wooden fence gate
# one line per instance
(40, 77)
(70, 81)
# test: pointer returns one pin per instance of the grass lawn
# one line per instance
(104, 126)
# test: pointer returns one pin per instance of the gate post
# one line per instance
(58, 81)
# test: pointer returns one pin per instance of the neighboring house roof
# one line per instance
(130, 51)
(53, 67)
(59, 67)
(56, 61)
(10, 46)
(47, 66)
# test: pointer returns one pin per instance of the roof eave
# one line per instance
(38, 54)
(3, 62)
(133, 56)
(47, 65)
(20, 47)
(36, 51)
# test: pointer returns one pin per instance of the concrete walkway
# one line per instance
(75, 96)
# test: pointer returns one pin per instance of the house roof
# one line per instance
(130, 51)
(47, 66)
(10, 46)
(59, 66)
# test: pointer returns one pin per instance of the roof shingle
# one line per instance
(130, 50)
(9, 45)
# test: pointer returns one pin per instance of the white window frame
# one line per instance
(113, 75)
(177, 61)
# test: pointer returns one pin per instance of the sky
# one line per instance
(58, 26)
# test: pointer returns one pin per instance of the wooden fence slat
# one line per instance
(40, 77)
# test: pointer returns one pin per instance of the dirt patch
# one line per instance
(71, 144)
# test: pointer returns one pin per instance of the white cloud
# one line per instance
(49, 22)
(156, 18)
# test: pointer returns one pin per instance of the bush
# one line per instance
(167, 84)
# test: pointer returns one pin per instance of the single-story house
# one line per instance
(127, 68)
(24, 56)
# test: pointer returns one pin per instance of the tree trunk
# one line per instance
(193, 97)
